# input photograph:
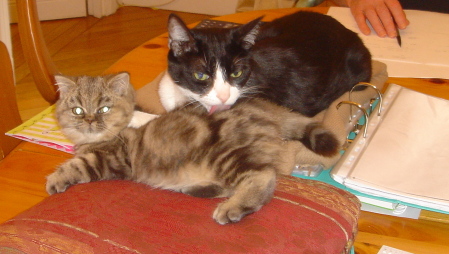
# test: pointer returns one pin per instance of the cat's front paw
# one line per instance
(56, 183)
(227, 212)
(63, 178)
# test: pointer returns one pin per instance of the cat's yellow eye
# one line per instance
(236, 74)
(201, 76)
(77, 111)
(104, 110)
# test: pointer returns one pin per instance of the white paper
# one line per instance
(425, 44)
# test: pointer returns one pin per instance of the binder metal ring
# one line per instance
(351, 103)
(379, 94)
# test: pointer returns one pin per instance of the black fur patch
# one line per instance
(320, 141)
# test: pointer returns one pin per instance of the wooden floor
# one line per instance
(89, 45)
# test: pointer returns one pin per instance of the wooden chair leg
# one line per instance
(9, 112)
(35, 50)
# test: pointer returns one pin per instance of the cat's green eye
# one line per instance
(77, 111)
(201, 76)
(236, 74)
(104, 110)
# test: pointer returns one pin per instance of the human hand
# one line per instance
(383, 15)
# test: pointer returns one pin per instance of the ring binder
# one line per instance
(404, 154)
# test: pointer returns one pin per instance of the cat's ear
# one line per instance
(180, 39)
(120, 83)
(64, 83)
(249, 32)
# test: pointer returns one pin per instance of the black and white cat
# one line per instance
(303, 61)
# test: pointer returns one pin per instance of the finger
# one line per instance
(387, 21)
(398, 14)
(360, 19)
(375, 22)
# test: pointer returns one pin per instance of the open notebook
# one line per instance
(405, 155)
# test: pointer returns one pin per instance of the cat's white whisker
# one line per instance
(116, 135)
(250, 92)
(191, 101)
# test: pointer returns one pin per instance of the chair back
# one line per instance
(9, 112)
(35, 50)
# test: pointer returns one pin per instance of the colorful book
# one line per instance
(43, 129)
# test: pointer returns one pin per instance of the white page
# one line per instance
(425, 44)
(409, 153)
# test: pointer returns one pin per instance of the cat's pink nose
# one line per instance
(223, 96)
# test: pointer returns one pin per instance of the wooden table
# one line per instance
(429, 234)
(23, 170)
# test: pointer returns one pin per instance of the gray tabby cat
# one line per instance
(234, 153)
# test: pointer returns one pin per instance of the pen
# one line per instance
(398, 36)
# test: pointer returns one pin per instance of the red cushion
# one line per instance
(126, 217)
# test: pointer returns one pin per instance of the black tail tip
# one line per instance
(320, 140)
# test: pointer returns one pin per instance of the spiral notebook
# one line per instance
(405, 153)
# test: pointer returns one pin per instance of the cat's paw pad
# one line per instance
(227, 213)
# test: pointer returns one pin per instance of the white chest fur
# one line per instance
(171, 95)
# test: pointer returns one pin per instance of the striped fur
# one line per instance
(234, 153)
